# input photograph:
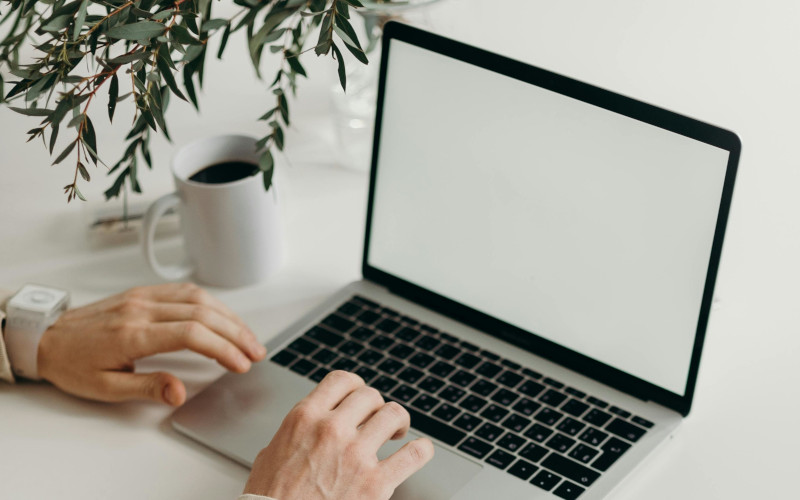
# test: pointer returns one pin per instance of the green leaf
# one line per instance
(224, 41)
(182, 35)
(113, 95)
(79, 20)
(213, 24)
(65, 153)
(358, 53)
(355, 3)
(56, 24)
(128, 58)
(90, 138)
(137, 31)
(53, 136)
(294, 63)
(78, 192)
(84, 173)
(342, 73)
(166, 72)
(342, 8)
(188, 84)
(325, 39)
(266, 162)
(278, 134)
(164, 14)
(283, 105)
(267, 115)
(114, 190)
(32, 111)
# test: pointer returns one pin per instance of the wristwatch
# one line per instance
(29, 313)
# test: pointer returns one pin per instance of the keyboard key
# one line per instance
(531, 373)
(490, 355)
(350, 348)
(428, 328)
(442, 369)
(545, 480)
(401, 351)
(447, 351)
(431, 384)
(366, 302)
(494, 413)
(504, 397)
(625, 429)
(612, 450)
(338, 323)
(362, 333)
(410, 375)
(345, 364)
(475, 447)
(370, 357)
(597, 402)
(467, 422)
(488, 369)
(511, 364)
(593, 436)
(516, 423)
(410, 321)
(318, 375)
(303, 367)
(368, 317)
(548, 416)
(583, 453)
(575, 392)
(574, 407)
(523, 469)
(421, 360)
(470, 347)
(511, 442)
(500, 459)
(526, 406)
(642, 422)
(483, 387)
(570, 426)
(452, 393)
(390, 366)
(389, 312)
(284, 357)
(472, 403)
(366, 373)
(446, 412)
(381, 342)
(462, 378)
(568, 491)
(388, 326)
(449, 338)
(468, 360)
(560, 443)
(571, 469)
(552, 398)
(303, 346)
(407, 334)
(531, 388)
(619, 411)
(324, 356)
(509, 379)
(432, 427)
(404, 393)
(349, 309)
(489, 432)
(324, 336)
(427, 343)
(533, 452)
(538, 432)
(384, 384)
(425, 402)
(552, 382)
(597, 417)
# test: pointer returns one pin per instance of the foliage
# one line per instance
(136, 51)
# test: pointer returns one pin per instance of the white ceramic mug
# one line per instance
(231, 230)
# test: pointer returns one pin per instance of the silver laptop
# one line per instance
(538, 270)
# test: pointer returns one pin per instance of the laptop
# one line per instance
(538, 271)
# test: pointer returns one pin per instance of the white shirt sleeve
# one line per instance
(250, 496)
(5, 365)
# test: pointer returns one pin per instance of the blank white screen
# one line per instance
(583, 226)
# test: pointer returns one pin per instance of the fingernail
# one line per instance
(243, 363)
(169, 395)
(261, 351)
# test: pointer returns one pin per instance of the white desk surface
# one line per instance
(734, 63)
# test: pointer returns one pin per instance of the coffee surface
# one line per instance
(227, 171)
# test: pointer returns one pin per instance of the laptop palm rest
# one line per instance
(239, 414)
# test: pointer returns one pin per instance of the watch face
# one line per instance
(40, 299)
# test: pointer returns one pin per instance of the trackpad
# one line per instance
(441, 478)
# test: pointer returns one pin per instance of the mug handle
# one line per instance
(173, 272)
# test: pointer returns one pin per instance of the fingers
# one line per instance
(407, 460)
(159, 387)
(188, 293)
(390, 421)
(233, 331)
(359, 405)
(333, 389)
(178, 335)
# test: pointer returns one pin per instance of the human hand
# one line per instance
(326, 448)
(90, 351)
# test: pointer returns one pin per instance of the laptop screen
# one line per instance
(569, 221)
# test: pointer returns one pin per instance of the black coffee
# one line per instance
(227, 171)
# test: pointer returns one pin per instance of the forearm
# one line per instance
(5, 366)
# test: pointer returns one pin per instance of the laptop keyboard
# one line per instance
(534, 427)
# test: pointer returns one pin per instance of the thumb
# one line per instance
(160, 387)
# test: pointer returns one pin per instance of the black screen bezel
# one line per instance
(596, 96)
